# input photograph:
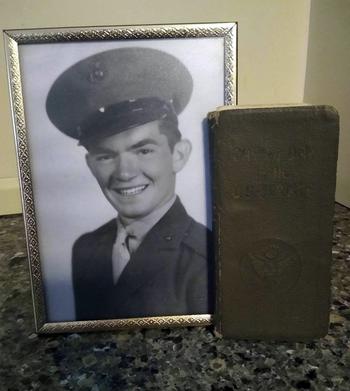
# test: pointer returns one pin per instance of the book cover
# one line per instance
(274, 176)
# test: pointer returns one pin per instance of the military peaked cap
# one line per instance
(118, 89)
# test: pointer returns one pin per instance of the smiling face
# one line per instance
(136, 169)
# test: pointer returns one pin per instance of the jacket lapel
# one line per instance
(103, 251)
(156, 252)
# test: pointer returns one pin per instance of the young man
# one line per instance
(152, 260)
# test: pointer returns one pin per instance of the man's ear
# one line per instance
(89, 162)
(181, 153)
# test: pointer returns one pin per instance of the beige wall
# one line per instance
(327, 76)
(271, 51)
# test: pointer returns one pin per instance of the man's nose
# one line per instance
(126, 167)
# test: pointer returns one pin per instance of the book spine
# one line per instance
(213, 119)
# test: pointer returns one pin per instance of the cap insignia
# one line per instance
(97, 73)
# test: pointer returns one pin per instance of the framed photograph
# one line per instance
(113, 158)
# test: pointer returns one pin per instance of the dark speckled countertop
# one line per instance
(177, 359)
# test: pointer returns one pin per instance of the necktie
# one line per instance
(120, 253)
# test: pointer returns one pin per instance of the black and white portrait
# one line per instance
(120, 169)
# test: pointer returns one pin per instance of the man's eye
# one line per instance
(145, 151)
(103, 158)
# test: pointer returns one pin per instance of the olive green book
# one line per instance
(274, 176)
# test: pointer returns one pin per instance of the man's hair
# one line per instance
(171, 131)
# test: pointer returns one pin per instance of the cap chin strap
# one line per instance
(119, 117)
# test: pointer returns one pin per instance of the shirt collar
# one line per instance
(139, 228)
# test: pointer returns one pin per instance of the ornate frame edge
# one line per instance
(13, 38)
(73, 34)
(230, 63)
(126, 324)
(24, 174)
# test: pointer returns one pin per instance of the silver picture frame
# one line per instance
(18, 40)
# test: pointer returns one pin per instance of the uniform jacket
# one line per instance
(169, 274)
